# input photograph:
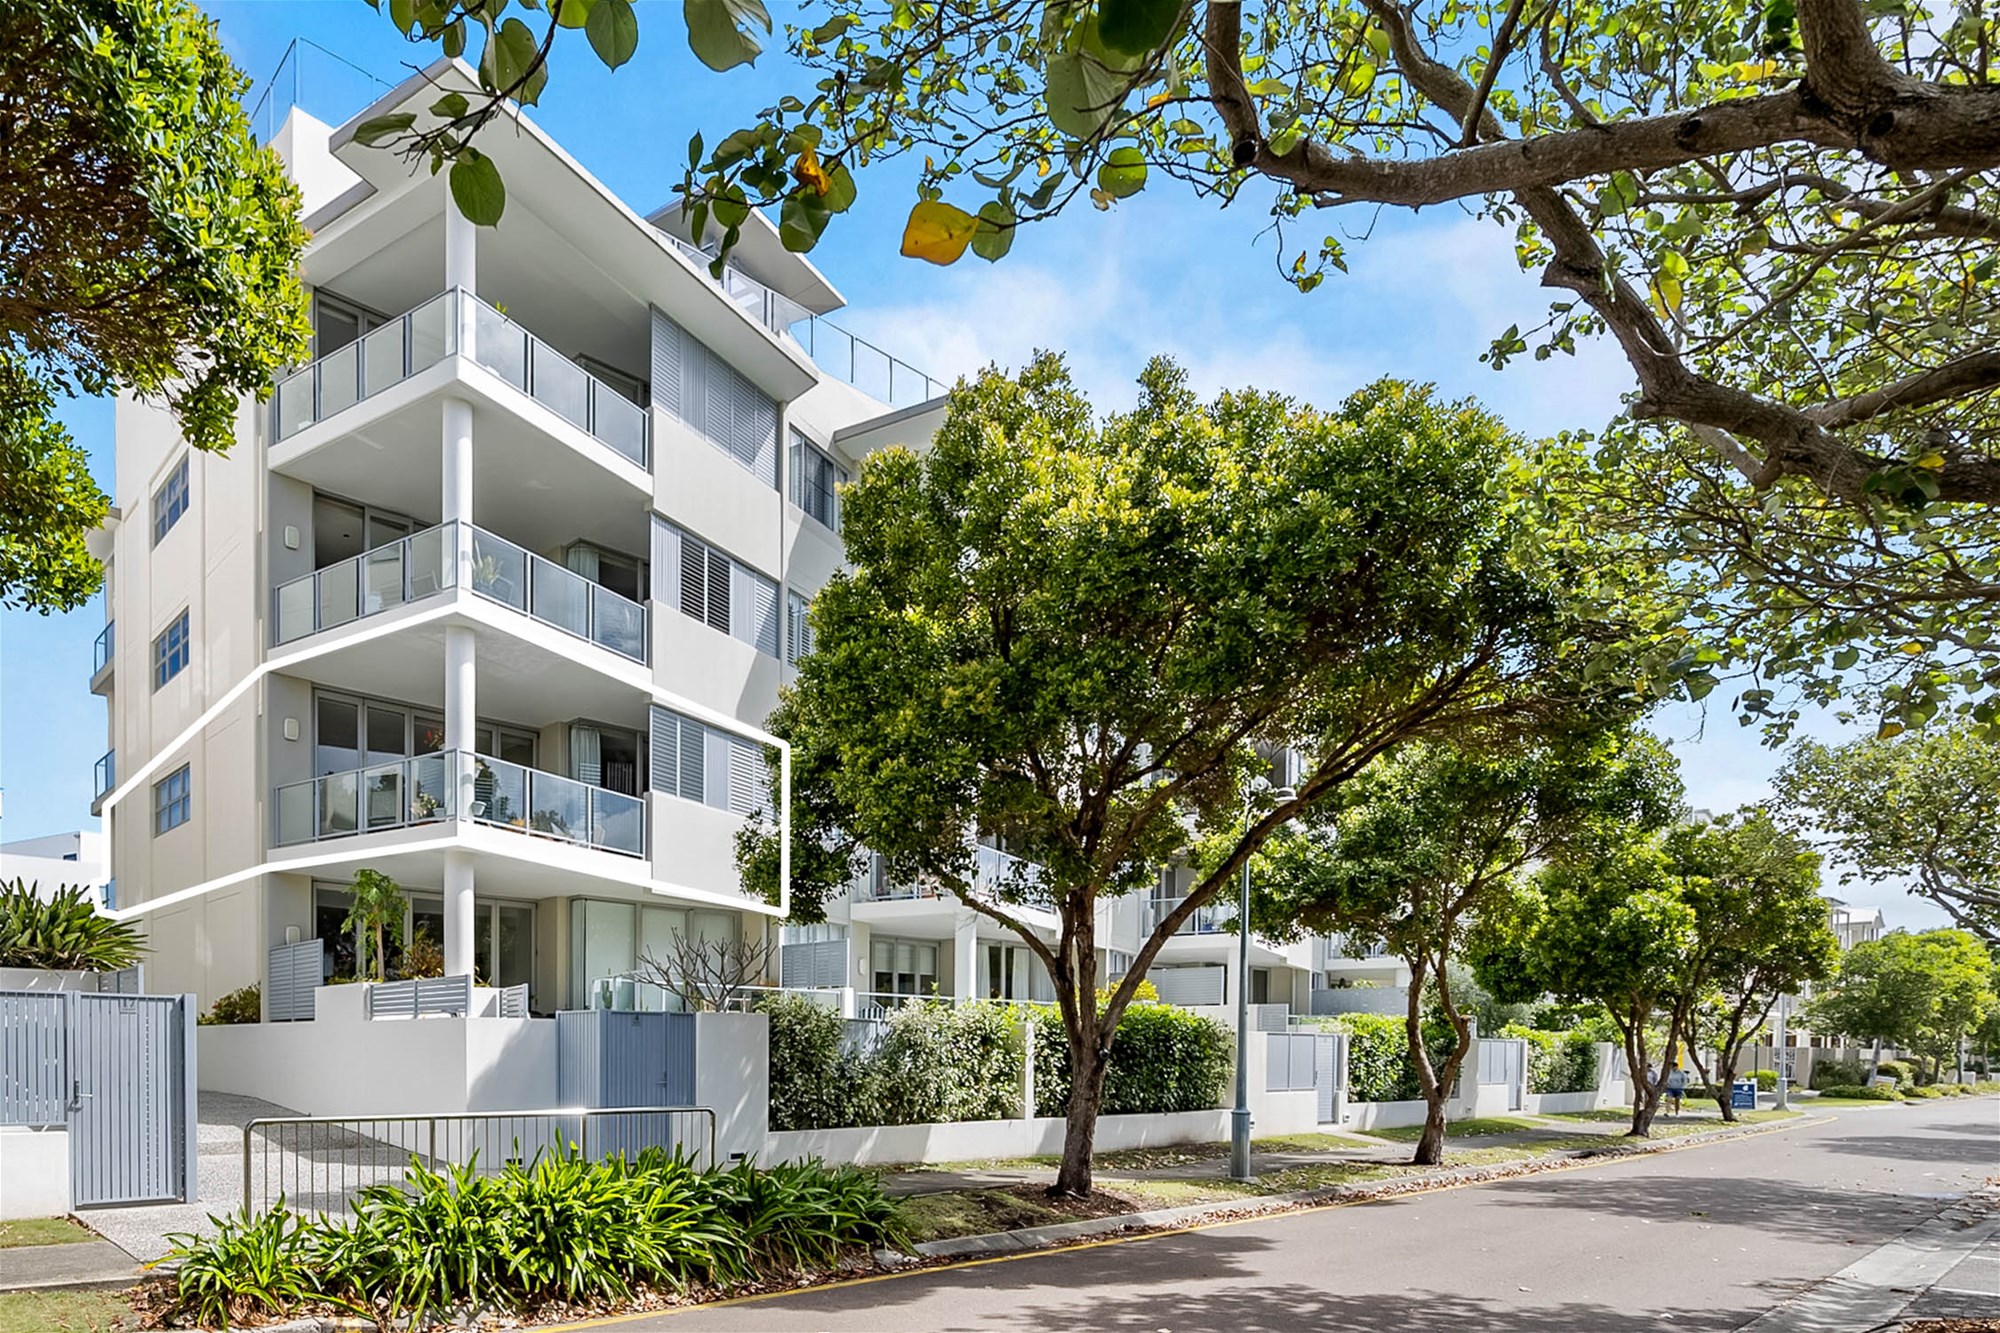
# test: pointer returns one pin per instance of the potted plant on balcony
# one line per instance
(424, 806)
(375, 915)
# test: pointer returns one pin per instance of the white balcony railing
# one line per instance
(419, 339)
(420, 790)
(425, 563)
(1208, 919)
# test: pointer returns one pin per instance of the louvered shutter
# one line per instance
(716, 762)
(749, 777)
(668, 355)
(693, 760)
(753, 602)
(694, 578)
(719, 590)
(666, 562)
(665, 747)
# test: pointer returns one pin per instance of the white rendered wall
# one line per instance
(34, 1173)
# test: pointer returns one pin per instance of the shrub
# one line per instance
(1924, 1090)
(452, 1241)
(1856, 1091)
(942, 1062)
(1767, 1080)
(1838, 1074)
(1379, 1068)
(65, 933)
(1899, 1070)
(1557, 1061)
(1163, 1059)
(245, 1004)
(815, 1081)
(422, 957)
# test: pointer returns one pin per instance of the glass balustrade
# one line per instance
(1208, 919)
(416, 791)
(379, 580)
(107, 774)
(416, 341)
(426, 562)
(105, 649)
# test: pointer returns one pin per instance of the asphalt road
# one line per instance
(1703, 1238)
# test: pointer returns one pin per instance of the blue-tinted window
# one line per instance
(170, 651)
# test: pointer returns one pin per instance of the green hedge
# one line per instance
(1828, 1074)
(936, 1063)
(1767, 1080)
(1557, 1061)
(1900, 1070)
(1884, 1093)
(1163, 1059)
(1379, 1068)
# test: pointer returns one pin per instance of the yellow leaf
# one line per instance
(1912, 648)
(1158, 99)
(1931, 461)
(810, 173)
(937, 232)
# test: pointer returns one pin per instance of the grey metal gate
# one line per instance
(1504, 1060)
(118, 1072)
(618, 1057)
(1330, 1074)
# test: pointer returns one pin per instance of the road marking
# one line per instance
(1577, 1164)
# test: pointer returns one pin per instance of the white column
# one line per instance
(460, 922)
(456, 440)
(461, 250)
(965, 955)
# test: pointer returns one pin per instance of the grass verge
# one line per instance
(43, 1231)
(64, 1311)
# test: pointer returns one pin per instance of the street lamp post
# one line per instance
(1239, 1118)
(1778, 1045)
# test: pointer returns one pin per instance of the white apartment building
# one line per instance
(493, 596)
(55, 861)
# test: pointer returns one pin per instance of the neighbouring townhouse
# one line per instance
(494, 597)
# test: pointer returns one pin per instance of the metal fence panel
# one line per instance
(420, 997)
(1289, 1063)
(293, 974)
(131, 1068)
(1330, 1073)
(34, 1080)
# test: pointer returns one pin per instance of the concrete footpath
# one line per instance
(75, 1266)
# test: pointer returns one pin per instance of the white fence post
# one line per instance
(1028, 1069)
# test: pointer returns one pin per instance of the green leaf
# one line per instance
(477, 189)
(374, 131)
(1137, 27)
(1846, 658)
(453, 40)
(995, 236)
(613, 30)
(832, 29)
(1123, 173)
(403, 13)
(840, 190)
(451, 106)
(721, 32)
(1082, 93)
(572, 13)
(513, 51)
(801, 220)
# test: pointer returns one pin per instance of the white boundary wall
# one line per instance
(34, 1172)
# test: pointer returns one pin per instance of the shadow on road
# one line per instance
(1951, 1145)
(1778, 1207)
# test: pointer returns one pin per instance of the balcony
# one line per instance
(424, 563)
(419, 339)
(106, 777)
(102, 658)
(405, 793)
(1208, 919)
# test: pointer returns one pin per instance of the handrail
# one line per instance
(419, 338)
(105, 648)
(426, 563)
(420, 789)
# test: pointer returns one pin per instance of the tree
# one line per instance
(1418, 845)
(1086, 636)
(1761, 931)
(147, 245)
(375, 914)
(712, 974)
(1606, 924)
(1922, 993)
(1924, 805)
(1783, 213)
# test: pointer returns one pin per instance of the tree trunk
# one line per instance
(1725, 1078)
(1087, 1066)
(1430, 1146)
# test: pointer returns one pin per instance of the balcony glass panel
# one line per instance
(339, 379)
(107, 772)
(618, 422)
(561, 598)
(382, 357)
(500, 792)
(499, 345)
(104, 649)
(339, 804)
(294, 813)
(296, 409)
(383, 578)
(499, 570)
(430, 787)
(618, 822)
(558, 806)
(561, 385)
(618, 623)
(295, 609)
(384, 792)
(339, 593)
(432, 560)
(433, 326)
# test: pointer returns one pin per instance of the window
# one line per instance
(714, 399)
(338, 322)
(903, 967)
(170, 651)
(798, 629)
(170, 501)
(709, 586)
(816, 479)
(697, 762)
(173, 800)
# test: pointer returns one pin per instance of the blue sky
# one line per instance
(1160, 273)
